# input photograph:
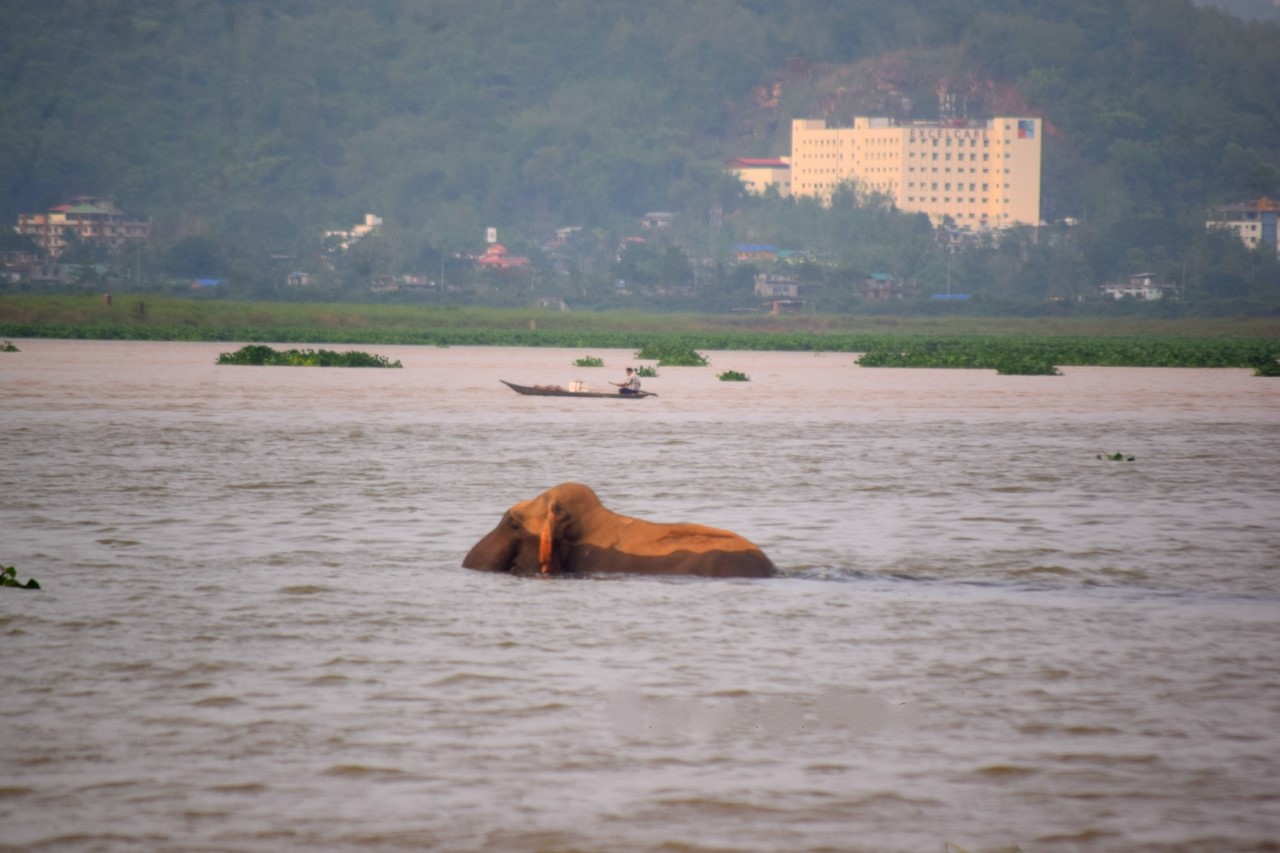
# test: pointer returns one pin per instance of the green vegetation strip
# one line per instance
(1042, 356)
(986, 343)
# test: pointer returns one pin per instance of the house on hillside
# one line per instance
(344, 239)
(1255, 223)
(759, 173)
(24, 265)
(785, 306)
(1141, 286)
(755, 253)
(496, 257)
(657, 221)
(88, 219)
(777, 286)
(881, 285)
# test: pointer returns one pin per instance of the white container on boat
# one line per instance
(577, 386)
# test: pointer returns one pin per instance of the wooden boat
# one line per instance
(557, 391)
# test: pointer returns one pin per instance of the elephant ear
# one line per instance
(547, 540)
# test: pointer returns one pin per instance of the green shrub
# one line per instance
(672, 354)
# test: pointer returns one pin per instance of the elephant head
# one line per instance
(567, 530)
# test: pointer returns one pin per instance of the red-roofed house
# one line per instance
(496, 257)
(759, 173)
(91, 219)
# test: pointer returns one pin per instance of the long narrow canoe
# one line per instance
(557, 391)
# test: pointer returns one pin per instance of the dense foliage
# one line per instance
(259, 354)
(247, 128)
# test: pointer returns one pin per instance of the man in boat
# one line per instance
(631, 386)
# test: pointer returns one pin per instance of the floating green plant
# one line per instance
(672, 355)
(8, 346)
(9, 577)
(258, 354)
(646, 371)
(1116, 457)
(589, 361)
(733, 376)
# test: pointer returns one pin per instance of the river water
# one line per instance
(254, 633)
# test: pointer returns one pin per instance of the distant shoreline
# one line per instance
(1066, 340)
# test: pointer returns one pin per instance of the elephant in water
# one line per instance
(566, 530)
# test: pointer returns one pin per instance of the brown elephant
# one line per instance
(566, 530)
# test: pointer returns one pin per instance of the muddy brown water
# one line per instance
(254, 633)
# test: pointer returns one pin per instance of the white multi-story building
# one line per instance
(977, 174)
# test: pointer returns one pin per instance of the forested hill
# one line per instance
(263, 121)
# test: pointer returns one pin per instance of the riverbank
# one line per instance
(147, 317)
